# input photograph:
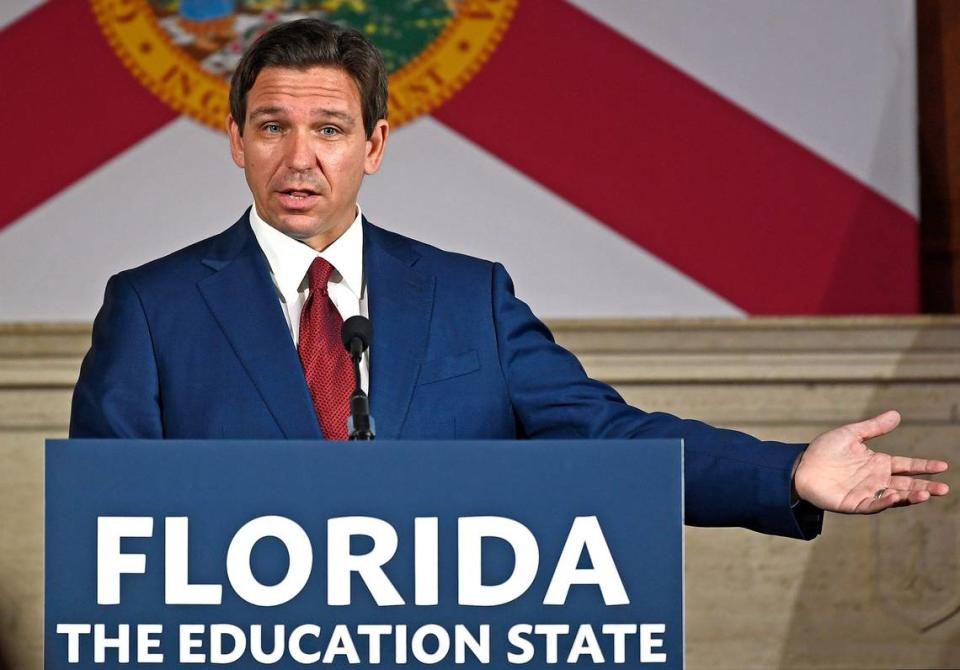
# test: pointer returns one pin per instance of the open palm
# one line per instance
(838, 472)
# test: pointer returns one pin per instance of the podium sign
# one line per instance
(475, 554)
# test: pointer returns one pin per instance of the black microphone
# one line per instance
(357, 334)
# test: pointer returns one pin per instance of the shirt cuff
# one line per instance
(809, 517)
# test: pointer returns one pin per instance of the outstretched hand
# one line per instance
(839, 473)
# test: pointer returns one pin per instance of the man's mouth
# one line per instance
(298, 198)
(298, 193)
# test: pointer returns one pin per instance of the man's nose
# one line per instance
(300, 153)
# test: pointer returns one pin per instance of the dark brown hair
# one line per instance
(307, 43)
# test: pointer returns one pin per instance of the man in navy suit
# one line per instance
(211, 341)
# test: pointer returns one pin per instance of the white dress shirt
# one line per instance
(289, 260)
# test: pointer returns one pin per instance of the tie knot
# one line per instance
(319, 274)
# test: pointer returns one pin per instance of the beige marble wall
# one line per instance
(878, 592)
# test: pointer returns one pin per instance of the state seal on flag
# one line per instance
(185, 51)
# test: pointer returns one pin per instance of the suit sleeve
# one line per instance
(731, 478)
(117, 394)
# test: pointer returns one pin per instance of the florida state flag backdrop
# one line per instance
(621, 157)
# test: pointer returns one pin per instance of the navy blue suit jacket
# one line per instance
(194, 345)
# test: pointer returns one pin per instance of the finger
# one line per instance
(892, 498)
(872, 505)
(904, 465)
(916, 484)
(878, 425)
(917, 497)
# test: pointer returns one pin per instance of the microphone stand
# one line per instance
(360, 424)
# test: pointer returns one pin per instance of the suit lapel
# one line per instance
(244, 302)
(400, 305)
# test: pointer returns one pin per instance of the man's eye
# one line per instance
(271, 128)
(329, 131)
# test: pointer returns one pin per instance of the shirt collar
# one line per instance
(289, 259)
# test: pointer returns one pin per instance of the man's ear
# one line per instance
(375, 146)
(236, 142)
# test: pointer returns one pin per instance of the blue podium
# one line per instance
(285, 554)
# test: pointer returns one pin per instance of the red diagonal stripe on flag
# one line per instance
(69, 104)
(684, 173)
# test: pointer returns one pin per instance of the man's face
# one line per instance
(304, 150)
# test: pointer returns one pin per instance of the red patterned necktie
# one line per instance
(326, 363)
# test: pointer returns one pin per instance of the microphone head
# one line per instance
(357, 328)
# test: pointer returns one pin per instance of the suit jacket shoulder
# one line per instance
(428, 258)
(192, 263)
